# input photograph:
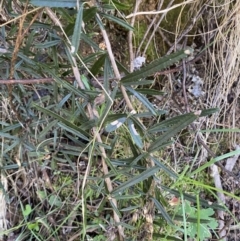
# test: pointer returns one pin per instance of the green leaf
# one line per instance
(203, 227)
(65, 14)
(143, 100)
(10, 127)
(125, 225)
(115, 124)
(125, 197)
(85, 82)
(89, 13)
(165, 237)
(118, 21)
(54, 3)
(150, 92)
(130, 208)
(47, 44)
(72, 88)
(27, 210)
(138, 125)
(77, 31)
(209, 111)
(113, 117)
(121, 6)
(11, 147)
(138, 82)
(134, 134)
(55, 200)
(139, 178)
(183, 121)
(114, 207)
(214, 160)
(155, 66)
(162, 211)
(91, 43)
(149, 114)
(162, 166)
(95, 69)
(190, 219)
(33, 226)
(66, 122)
(73, 131)
(6, 135)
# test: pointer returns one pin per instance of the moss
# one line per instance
(171, 23)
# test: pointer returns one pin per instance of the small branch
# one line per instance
(161, 11)
(156, 26)
(184, 87)
(26, 81)
(130, 34)
(188, 29)
(20, 16)
(114, 66)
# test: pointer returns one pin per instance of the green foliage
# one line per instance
(200, 229)
(27, 210)
(58, 3)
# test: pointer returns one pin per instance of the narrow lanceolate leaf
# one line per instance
(118, 21)
(137, 179)
(138, 82)
(48, 44)
(114, 207)
(166, 124)
(73, 131)
(121, 6)
(143, 100)
(165, 168)
(150, 92)
(6, 135)
(77, 31)
(125, 197)
(180, 124)
(61, 119)
(134, 134)
(163, 211)
(209, 111)
(115, 124)
(156, 66)
(54, 3)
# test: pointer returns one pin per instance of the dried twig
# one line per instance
(151, 23)
(184, 87)
(130, 34)
(26, 81)
(189, 28)
(161, 11)
(156, 26)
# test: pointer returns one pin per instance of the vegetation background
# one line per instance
(119, 120)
